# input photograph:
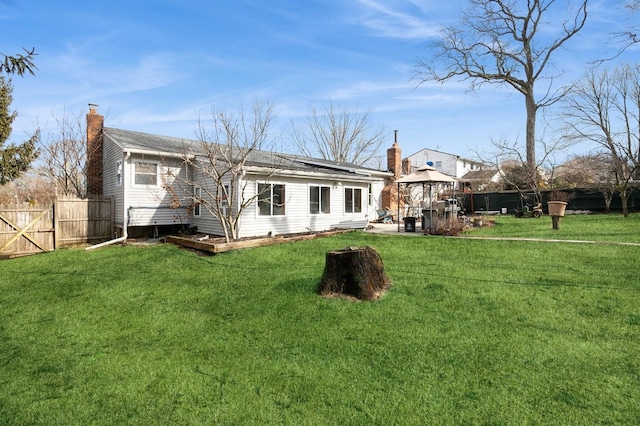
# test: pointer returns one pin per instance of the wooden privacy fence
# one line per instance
(27, 229)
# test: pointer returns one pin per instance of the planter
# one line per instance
(477, 222)
(556, 208)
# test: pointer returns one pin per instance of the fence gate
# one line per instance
(25, 229)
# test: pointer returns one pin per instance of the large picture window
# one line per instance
(146, 173)
(270, 199)
(353, 200)
(319, 199)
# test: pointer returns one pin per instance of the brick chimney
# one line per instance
(95, 124)
(394, 165)
(394, 160)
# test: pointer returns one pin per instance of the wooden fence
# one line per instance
(27, 229)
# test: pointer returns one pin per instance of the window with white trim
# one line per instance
(353, 200)
(197, 200)
(271, 199)
(146, 173)
(319, 199)
(223, 198)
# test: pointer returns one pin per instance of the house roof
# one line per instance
(468, 160)
(167, 146)
(479, 175)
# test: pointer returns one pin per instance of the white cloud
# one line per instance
(404, 20)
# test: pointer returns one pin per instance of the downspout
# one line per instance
(125, 212)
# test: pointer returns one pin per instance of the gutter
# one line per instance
(125, 215)
(355, 177)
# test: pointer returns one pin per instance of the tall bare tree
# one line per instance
(339, 134)
(229, 142)
(63, 155)
(508, 42)
(605, 108)
(630, 36)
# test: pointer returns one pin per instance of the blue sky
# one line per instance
(154, 66)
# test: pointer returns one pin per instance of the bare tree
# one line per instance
(507, 42)
(592, 173)
(605, 108)
(630, 36)
(514, 170)
(229, 143)
(339, 134)
(64, 156)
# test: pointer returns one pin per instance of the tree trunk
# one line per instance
(530, 142)
(354, 271)
(624, 199)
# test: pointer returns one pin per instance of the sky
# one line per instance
(156, 66)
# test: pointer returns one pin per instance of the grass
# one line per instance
(612, 227)
(472, 332)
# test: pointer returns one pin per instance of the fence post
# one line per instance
(56, 224)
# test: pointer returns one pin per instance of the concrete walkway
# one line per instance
(392, 229)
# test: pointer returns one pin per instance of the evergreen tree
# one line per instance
(18, 64)
(14, 159)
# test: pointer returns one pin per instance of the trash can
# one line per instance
(409, 224)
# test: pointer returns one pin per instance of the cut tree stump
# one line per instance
(354, 271)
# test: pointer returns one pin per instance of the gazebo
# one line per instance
(425, 174)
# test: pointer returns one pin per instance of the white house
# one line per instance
(297, 194)
(471, 174)
(449, 164)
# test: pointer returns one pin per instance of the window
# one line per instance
(197, 200)
(270, 199)
(438, 165)
(353, 200)
(319, 199)
(223, 198)
(146, 173)
(119, 173)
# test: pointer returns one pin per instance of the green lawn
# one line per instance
(471, 332)
(612, 227)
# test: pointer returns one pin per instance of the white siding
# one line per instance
(207, 223)
(376, 200)
(111, 156)
(443, 162)
(154, 204)
(297, 217)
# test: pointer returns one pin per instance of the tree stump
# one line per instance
(354, 271)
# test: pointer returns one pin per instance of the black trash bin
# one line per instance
(409, 224)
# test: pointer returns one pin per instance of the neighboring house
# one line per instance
(137, 168)
(480, 180)
(449, 164)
